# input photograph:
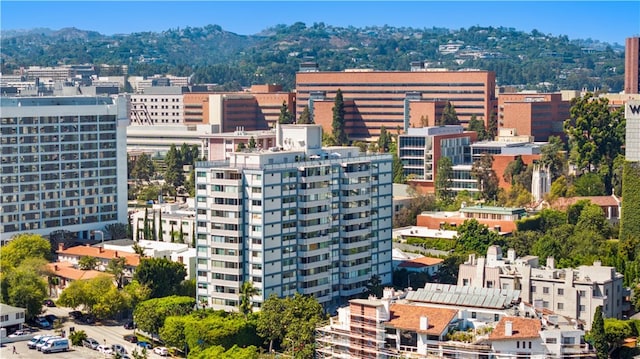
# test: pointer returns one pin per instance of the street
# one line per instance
(110, 333)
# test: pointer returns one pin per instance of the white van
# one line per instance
(31, 344)
(44, 342)
(56, 345)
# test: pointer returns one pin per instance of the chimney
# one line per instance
(55, 267)
(60, 247)
(551, 263)
(116, 255)
(101, 249)
(424, 323)
(508, 328)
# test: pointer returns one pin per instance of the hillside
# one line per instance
(212, 55)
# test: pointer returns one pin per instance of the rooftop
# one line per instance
(464, 296)
(522, 328)
(68, 271)
(407, 317)
(131, 259)
(420, 262)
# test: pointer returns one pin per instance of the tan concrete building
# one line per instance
(570, 292)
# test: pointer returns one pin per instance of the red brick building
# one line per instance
(632, 65)
(394, 99)
(533, 114)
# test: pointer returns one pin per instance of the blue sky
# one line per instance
(607, 21)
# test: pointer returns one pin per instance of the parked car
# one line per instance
(117, 348)
(130, 325)
(145, 345)
(104, 349)
(163, 351)
(49, 303)
(87, 318)
(90, 343)
(42, 323)
(131, 338)
(51, 318)
(50, 339)
(31, 344)
(56, 345)
(75, 314)
(19, 333)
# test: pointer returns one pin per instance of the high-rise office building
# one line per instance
(632, 65)
(293, 218)
(64, 164)
(395, 99)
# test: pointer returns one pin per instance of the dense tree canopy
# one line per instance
(161, 275)
(23, 246)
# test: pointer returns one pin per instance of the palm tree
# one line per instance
(246, 292)
(138, 249)
(116, 267)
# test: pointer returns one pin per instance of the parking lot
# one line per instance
(105, 333)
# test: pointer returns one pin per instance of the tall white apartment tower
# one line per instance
(293, 218)
(64, 164)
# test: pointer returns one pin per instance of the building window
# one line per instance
(560, 306)
(545, 290)
(465, 282)
(582, 293)
(533, 289)
(551, 340)
(560, 291)
(582, 308)
(568, 340)
(490, 284)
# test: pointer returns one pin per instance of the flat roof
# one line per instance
(491, 298)
(491, 209)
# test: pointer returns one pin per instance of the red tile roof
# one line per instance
(131, 259)
(407, 317)
(603, 201)
(66, 270)
(522, 328)
(420, 262)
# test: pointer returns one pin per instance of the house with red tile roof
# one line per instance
(67, 272)
(425, 323)
(427, 265)
(74, 254)
(611, 205)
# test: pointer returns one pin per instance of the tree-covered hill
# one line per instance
(212, 55)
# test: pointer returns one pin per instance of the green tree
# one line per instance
(592, 219)
(143, 168)
(492, 127)
(173, 174)
(420, 202)
(88, 263)
(247, 292)
(598, 336)
(25, 287)
(116, 230)
(151, 314)
(629, 219)
(98, 295)
(596, 135)
(522, 242)
(252, 143)
(477, 126)
(136, 292)
(285, 115)
(23, 246)
(444, 180)
(147, 229)
(160, 230)
(116, 267)
(589, 184)
(172, 331)
(338, 123)
(398, 169)
(271, 324)
(154, 233)
(483, 172)
(241, 147)
(305, 117)
(77, 337)
(302, 315)
(384, 140)
(449, 116)
(474, 237)
(161, 275)
(374, 287)
(553, 155)
(513, 169)
(559, 188)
